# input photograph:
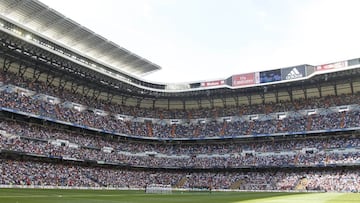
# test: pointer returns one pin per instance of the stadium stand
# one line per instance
(62, 123)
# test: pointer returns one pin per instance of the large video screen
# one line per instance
(270, 76)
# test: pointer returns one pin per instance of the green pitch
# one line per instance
(90, 196)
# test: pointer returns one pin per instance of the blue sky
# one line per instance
(196, 40)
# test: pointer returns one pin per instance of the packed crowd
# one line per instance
(46, 133)
(331, 120)
(282, 106)
(50, 174)
(309, 151)
(262, 153)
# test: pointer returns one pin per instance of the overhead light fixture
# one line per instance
(28, 36)
(17, 31)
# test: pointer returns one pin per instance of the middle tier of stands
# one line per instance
(47, 141)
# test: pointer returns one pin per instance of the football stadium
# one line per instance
(79, 124)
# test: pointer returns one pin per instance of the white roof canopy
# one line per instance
(49, 23)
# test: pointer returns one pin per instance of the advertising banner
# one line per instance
(294, 72)
(270, 76)
(245, 79)
(213, 83)
(353, 62)
(310, 70)
(337, 65)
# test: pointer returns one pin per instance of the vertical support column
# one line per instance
(224, 102)
(22, 69)
(62, 83)
(290, 92)
(319, 89)
(74, 87)
(305, 93)
(36, 75)
(335, 89)
(49, 79)
(153, 103)
(211, 101)
(262, 95)
(6, 65)
(109, 97)
(138, 102)
(123, 100)
(236, 99)
(249, 99)
(95, 94)
(85, 90)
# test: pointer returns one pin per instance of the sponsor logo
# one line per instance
(245, 79)
(294, 73)
(341, 64)
(213, 83)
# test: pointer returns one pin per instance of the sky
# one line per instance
(204, 40)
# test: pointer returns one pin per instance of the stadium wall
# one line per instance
(139, 189)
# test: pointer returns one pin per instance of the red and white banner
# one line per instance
(337, 65)
(245, 79)
(213, 83)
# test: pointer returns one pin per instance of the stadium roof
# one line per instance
(51, 24)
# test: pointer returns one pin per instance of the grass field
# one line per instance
(91, 196)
